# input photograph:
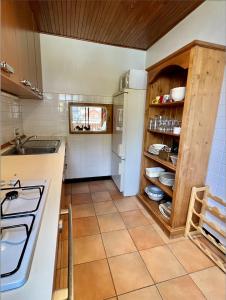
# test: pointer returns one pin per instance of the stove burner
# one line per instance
(38, 188)
(28, 232)
(11, 195)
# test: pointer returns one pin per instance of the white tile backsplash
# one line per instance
(50, 116)
(87, 155)
(10, 117)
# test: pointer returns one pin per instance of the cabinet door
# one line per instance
(21, 36)
(9, 53)
(38, 60)
(31, 51)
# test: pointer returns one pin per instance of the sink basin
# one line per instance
(35, 147)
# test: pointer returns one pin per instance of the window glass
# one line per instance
(85, 118)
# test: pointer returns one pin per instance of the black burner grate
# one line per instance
(40, 188)
(28, 232)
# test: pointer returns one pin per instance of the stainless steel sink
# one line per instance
(35, 147)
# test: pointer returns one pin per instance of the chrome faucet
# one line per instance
(18, 144)
(29, 138)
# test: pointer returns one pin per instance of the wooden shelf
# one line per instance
(165, 163)
(163, 187)
(162, 132)
(180, 70)
(154, 208)
(171, 104)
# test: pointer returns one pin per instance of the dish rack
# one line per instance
(196, 219)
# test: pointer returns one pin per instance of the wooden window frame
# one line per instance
(109, 108)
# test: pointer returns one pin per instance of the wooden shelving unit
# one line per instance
(171, 104)
(154, 208)
(163, 132)
(162, 162)
(156, 182)
(197, 114)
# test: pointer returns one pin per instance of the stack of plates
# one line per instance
(167, 178)
(165, 209)
(155, 148)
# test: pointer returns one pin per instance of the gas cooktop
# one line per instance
(22, 206)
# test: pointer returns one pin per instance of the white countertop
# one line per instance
(39, 285)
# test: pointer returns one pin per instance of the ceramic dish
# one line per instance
(178, 94)
(154, 172)
(167, 178)
(154, 193)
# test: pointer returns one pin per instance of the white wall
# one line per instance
(207, 23)
(78, 71)
(79, 67)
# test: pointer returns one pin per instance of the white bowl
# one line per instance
(154, 172)
(155, 197)
(178, 94)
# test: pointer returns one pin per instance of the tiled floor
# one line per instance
(121, 253)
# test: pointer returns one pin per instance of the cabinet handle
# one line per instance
(26, 82)
(6, 67)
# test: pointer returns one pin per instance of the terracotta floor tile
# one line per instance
(57, 280)
(65, 200)
(116, 195)
(85, 226)
(59, 254)
(110, 185)
(211, 282)
(134, 218)
(67, 188)
(148, 293)
(129, 272)
(101, 196)
(88, 248)
(84, 210)
(103, 208)
(180, 288)
(118, 242)
(148, 216)
(64, 255)
(165, 238)
(190, 256)
(62, 278)
(80, 187)
(64, 232)
(126, 204)
(92, 281)
(97, 187)
(110, 222)
(81, 198)
(145, 237)
(162, 264)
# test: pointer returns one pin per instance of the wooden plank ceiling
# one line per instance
(127, 23)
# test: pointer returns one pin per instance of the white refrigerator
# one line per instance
(127, 139)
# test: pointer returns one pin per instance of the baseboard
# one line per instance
(74, 180)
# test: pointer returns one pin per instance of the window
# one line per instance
(90, 118)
